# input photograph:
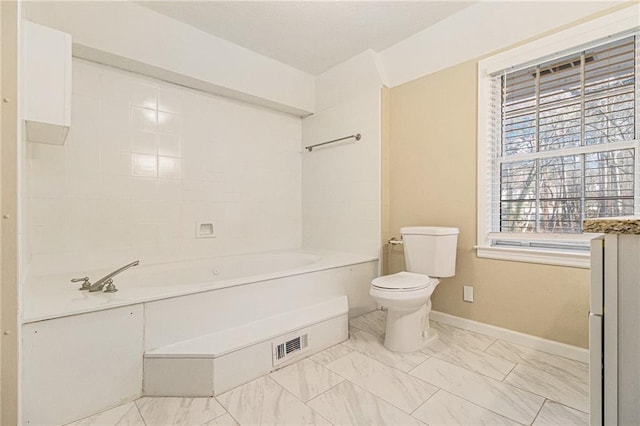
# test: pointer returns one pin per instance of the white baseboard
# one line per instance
(545, 345)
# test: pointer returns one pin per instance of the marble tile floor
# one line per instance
(464, 378)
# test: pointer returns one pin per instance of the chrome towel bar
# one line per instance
(357, 137)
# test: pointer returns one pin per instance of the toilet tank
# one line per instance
(430, 250)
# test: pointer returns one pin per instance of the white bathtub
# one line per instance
(52, 296)
(73, 340)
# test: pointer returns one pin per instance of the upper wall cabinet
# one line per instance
(47, 83)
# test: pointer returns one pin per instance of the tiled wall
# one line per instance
(341, 182)
(145, 160)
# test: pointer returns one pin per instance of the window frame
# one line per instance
(608, 28)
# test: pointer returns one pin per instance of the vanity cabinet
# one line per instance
(46, 62)
(614, 321)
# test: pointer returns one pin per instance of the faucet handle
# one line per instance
(111, 287)
(85, 282)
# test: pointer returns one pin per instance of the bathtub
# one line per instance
(52, 296)
(99, 344)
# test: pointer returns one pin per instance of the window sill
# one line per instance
(546, 257)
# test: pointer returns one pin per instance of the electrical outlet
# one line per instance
(467, 293)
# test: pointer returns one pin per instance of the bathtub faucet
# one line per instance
(107, 280)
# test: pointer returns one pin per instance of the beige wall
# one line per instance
(384, 174)
(432, 181)
(8, 208)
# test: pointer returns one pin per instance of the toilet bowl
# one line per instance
(406, 296)
(430, 252)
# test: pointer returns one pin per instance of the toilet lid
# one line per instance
(402, 281)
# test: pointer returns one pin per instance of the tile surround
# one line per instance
(362, 390)
(340, 208)
(134, 138)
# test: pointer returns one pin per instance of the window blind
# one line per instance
(566, 145)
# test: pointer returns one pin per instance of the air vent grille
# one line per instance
(290, 347)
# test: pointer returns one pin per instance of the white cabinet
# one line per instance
(46, 62)
(628, 336)
(614, 330)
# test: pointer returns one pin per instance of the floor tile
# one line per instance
(348, 404)
(305, 379)
(472, 359)
(392, 385)
(550, 363)
(388, 388)
(373, 346)
(373, 322)
(331, 354)
(465, 338)
(264, 402)
(126, 414)
(565, 391)
(224, 420)
(178, 411)
(511, 402)
(553, 414)
(444, 408)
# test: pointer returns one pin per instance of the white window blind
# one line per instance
(565, 141)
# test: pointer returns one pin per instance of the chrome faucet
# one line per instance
(107, 280)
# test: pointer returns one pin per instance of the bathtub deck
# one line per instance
(52, 295)
(397, 389)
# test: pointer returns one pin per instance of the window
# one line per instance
(565, 146)
(560, 144)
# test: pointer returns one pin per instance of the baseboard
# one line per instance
(545, 345)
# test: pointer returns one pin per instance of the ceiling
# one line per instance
(312, 36)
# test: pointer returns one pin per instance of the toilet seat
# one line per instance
(402, 281)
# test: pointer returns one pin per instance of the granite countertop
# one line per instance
(613, 225)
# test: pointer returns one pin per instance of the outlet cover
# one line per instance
(467, 294)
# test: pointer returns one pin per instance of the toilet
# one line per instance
(430, 254)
